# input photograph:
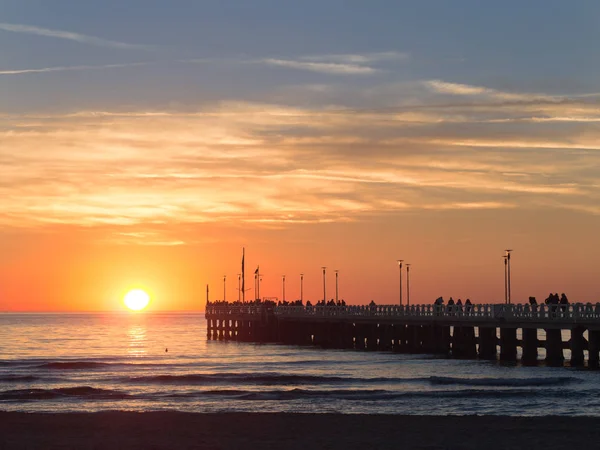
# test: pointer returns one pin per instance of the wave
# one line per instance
(73, 365)
(373, 395)
(504, 382)
(85, 392)
(18, 378)
(275, 378)
(257, 378)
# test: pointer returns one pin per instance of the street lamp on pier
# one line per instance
(400, 261)
(301, 288)
(337, 272)
(224, 279)
(283, 282)
(324, 287)
(507, 267)
(408, 285)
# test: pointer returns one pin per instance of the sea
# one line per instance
(156, 362)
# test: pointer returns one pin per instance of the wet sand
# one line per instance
(172, 430)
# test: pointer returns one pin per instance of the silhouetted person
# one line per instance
(532, 301)
(451, 302)
(564, 302)
(468, 305)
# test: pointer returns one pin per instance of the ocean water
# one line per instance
(95, 362)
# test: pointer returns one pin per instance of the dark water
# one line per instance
(51, 362)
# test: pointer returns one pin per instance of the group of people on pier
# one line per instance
(440, 302)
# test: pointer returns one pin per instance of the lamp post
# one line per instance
(324, 288)
(301, 287)
(256, 285)
(283, 282)
(508, 274)
(337, 272)
(224, 279)
(400, 261)
(505, 279)
(408, 285)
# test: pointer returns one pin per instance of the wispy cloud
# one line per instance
(69, 35)
(322, 67)
(339, 64)
(355, 58)
(70, 68)
(271, 164)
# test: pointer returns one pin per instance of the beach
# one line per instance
(166, 430)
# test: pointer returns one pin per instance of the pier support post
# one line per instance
(593, 348)
(445, 340)
(372, 337)
(554, 348)
(209, 329)
(577, 346)
(508, 344)
(487, 343)
(359, 337)
(413, 338)
(400, 338)
(530, 346)
(464, 344)
(385, 337)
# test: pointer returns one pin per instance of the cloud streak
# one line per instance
(69, 35)
(339, 64)
(322, 67)
(70, 68)
(274, 165)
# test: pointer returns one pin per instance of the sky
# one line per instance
(144, 143)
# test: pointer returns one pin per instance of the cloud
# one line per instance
(339, 64)
(68, 35)
(70, 68)
(267, 164)
(366, 58)
(322, 67)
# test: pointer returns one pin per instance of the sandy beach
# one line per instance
(170, 430)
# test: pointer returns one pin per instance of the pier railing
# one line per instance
(517, 312)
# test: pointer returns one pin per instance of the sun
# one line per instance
(136, 299)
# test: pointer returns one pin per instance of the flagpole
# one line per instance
(243, 276)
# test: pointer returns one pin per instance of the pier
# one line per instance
(490, 332)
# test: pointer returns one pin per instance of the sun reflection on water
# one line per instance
(138, 342)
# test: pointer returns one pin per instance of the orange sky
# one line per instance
(95, 204)
(70, 269)
(149, 159)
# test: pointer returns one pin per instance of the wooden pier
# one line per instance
(473, 331)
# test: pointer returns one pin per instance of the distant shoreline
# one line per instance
(172, 429)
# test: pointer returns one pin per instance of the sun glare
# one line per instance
(136, 300)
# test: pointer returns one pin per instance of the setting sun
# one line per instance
(136, 299)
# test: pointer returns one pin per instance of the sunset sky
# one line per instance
(143, 143)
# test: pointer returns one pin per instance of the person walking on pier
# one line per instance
(468, 306)
(564, 303)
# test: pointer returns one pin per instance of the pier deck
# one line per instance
(468, 331)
